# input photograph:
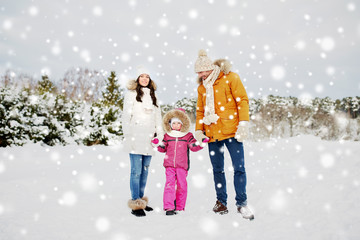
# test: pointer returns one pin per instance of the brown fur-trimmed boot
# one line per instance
(137, 207)
(147, 208)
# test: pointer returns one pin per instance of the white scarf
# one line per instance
(209, 115)
(175, 133)
(147, 101)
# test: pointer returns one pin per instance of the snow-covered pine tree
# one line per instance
(355, 107)
(105, 127)
(48, 117)
(46, 86)
(113, 94)
(68, 117)
(351, 106)
(165, 108)
(11, 127)
(189, 105)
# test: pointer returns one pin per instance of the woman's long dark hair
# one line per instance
(140, 93)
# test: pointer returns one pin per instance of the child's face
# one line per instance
(176, 126)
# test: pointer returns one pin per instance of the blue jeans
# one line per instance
(139, 172)
(236, 150)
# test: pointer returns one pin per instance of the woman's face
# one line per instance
(144, 79)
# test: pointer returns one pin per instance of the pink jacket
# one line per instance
(177, 150)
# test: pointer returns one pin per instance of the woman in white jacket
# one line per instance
(141, 122)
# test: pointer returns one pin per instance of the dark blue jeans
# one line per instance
(236, 150)
(139, 172)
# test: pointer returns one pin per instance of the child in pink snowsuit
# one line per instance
(176, 144)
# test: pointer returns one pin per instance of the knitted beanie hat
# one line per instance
(141, 70)
(203, 63)
(175, 120)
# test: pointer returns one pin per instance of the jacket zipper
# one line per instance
(175, 152)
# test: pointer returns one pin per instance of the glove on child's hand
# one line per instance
(155, 142)
(205, 140)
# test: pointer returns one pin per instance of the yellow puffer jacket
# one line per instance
(231, 104)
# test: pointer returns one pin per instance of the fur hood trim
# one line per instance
(176, 113)
(131, 85)
(225, 67)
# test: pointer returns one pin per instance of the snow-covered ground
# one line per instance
(299, 188)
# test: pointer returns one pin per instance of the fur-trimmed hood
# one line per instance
(176, 113)
(131, 85)
(225, 67)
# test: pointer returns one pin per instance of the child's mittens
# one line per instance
(205, 140)
(155, 141)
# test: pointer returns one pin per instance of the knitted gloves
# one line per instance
(200, 137)
(242, 131)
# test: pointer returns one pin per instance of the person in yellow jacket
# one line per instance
(222, 115)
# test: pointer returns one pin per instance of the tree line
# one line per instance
(48, 113)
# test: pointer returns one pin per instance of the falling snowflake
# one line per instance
(278, 72)
(278, 201)
(97, 11)
(2, 209)
(7, 24)
(125, 57)
(199, 181)
(300, 45)
(68, 199)
(102, 224)
(193, 14)
(319, 88)
(33, 11)
(163, 22)
(351, 7)
(327, 160)
(138, 21)
(327, 43)
(209, 226)
(2, 167)
(260, 18)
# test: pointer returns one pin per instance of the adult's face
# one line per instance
(203, 75)
(144, 79)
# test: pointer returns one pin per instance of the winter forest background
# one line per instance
(301, 74)
(85, 108)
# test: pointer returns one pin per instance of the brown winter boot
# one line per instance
(147, 208)
(137, 207)
(220, 208)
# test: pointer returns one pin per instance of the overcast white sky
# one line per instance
(302, 48)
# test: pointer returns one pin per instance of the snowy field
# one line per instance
(299, 188)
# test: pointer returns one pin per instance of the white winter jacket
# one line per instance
(140, 121)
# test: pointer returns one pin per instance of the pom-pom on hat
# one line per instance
(203, 63)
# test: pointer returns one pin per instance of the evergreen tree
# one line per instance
(113, 94)
(105, 115)
(46, 86)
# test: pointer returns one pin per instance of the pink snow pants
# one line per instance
(175, 188)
